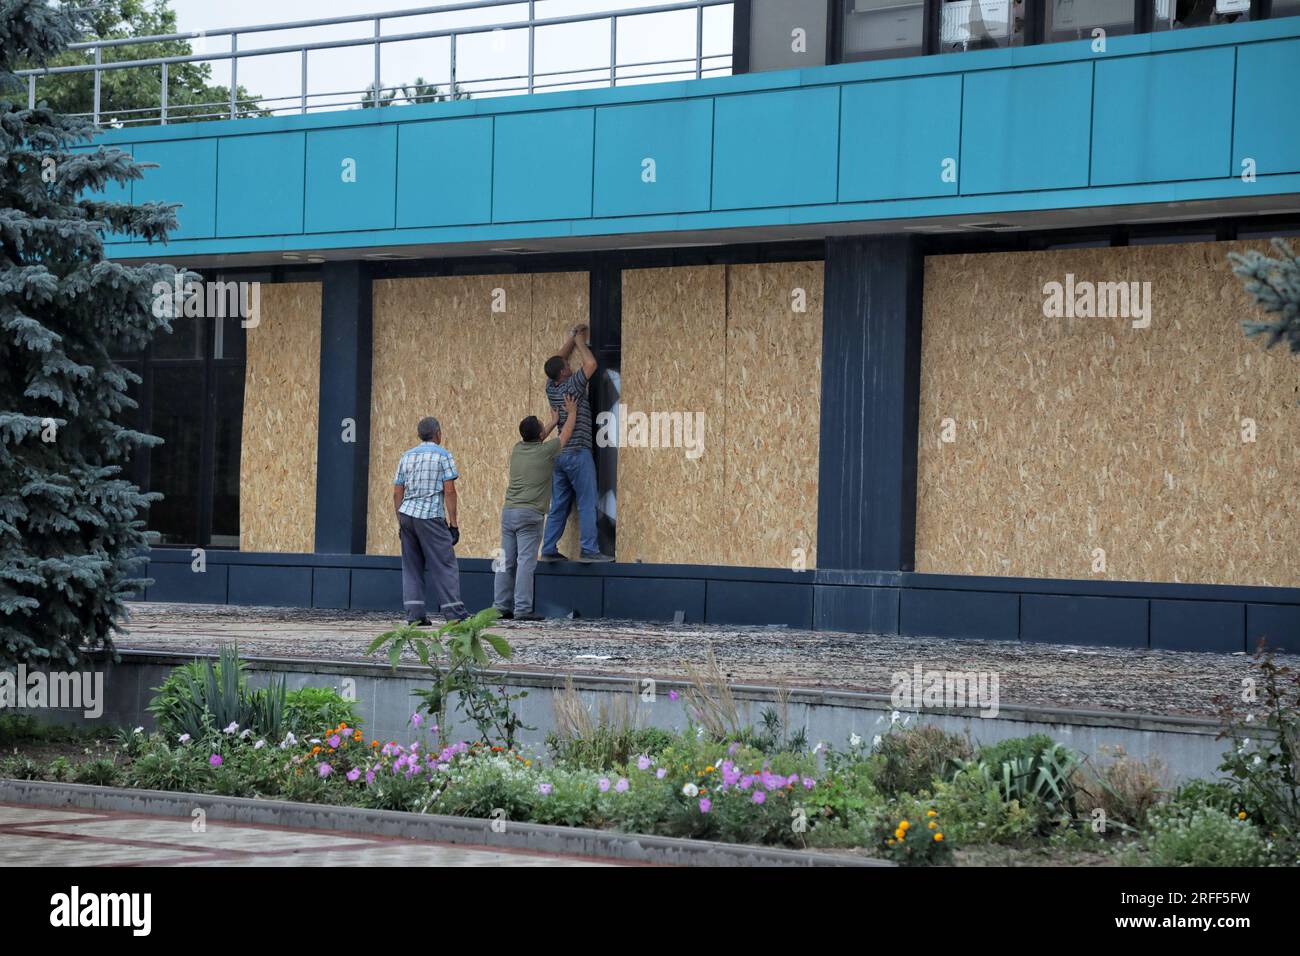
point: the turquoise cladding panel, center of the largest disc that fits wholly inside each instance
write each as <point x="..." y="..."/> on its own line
<point x="1267" y="128"/>
<point x="351" y="178"/>
<point x="899" y="139"/>
<point x="542" y="166"/>
<point x="186" y="174"/>
<point x="1026" y="128"/>
<point x="776" y="149"/>
<point x="1163" y="118"/>
<point x="260" y="184"/>
<point x="444" y="172"/>
<point x="653" y="157"/>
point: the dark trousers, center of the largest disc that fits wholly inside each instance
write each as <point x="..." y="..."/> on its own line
<point x="426" y="548"/>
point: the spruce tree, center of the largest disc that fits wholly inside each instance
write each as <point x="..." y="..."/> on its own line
<point x="72" y="533"/>
<point x="1275" y="286"/>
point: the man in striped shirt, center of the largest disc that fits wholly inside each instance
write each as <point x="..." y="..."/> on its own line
<point x="575" y="468"/>
<point x="424" y="495"/>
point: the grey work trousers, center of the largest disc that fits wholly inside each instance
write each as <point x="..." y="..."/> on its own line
<point x="426" y="549"/>
<point x="521" y="533"/>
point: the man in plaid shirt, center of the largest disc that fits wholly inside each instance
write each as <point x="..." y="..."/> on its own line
<point x="424" y="494"/>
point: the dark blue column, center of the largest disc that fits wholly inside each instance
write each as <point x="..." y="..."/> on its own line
<point x="871" y="369"/>
<point x="342" y="467"/>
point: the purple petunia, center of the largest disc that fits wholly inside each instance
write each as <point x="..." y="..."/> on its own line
<point x="759" y="796"/>
<point x="334" y="742"/>
<point x="621" y="786"/>
<point x="544" y="789"/>
<point x="325" y="770"/>
<point x="416" y="720"/>
<point x="672" y="695"/>
<point x="643" y="762"/>
<point x="603" y="784"/>
<point x="661" y="773"/>
<point x="215" y="760"/>
<point x="354" y="775"/>
<point x="705" y="804"/>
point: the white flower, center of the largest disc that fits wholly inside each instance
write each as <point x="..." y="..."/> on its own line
<point x="818" y="748"/>
<point x="138" y="730"/>
<point x="1257" y="761"/>
<point x="875" y="741"/>
<point x="895" y="717"/>
<point x="259" y="745"/>
<point x="444" y="767"/>
<point x="1249" y="718"/>
<point x="855" y="740"/>
<point x="232" y="728"/>
<point x="184" y="738"/>
<point x="690" y="790"/>
<point x="244" y="735"/>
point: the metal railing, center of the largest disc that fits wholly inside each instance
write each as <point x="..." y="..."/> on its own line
<point x="525" y="80"/>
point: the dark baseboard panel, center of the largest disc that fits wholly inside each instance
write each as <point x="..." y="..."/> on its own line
<point x="1196" y="617"/>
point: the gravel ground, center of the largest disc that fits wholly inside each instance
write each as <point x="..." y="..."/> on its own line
<point x="1149" y="682"/>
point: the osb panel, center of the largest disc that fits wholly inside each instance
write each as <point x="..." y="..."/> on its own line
<point x="1075" y="434"/>
<point x="773" y="402"/>
<point x="441" y="349"/>
<point x="277" y="462"/>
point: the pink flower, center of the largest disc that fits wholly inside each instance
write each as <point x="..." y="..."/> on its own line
<point x="603" y="784"/>
<point x="353" y="775"/>
<point x="334" y="742"/>
<point x="326" y="770"/>
<point x="214" y="760"/>
<point x="759" y="796"/>
<point x="705" y="804"/>
<point x="416" y="720"/>
<point x="643" y="762"/>
<point x="544" y="789"/>
<point x="661" y="773"/>
<point x="809" y="783"/>
<point x="672" y="695"/>
<point x="370" y="776"/>
<point x="621" y="786"/>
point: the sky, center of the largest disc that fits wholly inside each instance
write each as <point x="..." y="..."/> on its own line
<point x="338" y="77"/>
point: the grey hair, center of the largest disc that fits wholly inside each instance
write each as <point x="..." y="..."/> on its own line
<point x="427" y="428"/>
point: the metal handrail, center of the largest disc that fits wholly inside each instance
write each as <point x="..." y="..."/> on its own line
<point x="531" y="80"/>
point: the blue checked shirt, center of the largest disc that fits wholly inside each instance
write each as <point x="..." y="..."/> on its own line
<point x="422" y="471"/>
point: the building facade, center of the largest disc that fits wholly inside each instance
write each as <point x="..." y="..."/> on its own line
<point x="933" y="345"/>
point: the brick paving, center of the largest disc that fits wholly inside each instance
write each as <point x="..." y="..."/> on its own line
<point x="36" y="836"/>
<point x="1091" y="678"/>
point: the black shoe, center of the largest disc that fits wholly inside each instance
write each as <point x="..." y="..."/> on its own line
<point x="594" y="558"/>
<point x="529" y="617"/>
<point x="555" y="556"/>
<point x="504" y="615"/>
<point x="422" y="622"/>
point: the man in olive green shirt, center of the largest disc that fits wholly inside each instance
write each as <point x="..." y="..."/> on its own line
<point x="528" y="496"/>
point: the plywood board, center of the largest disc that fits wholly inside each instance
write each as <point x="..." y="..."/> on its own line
<point x="1080" y="436"/>
<point x="460" y="348"/>
<point x="277" y="465"/>
<point x="773" y="402"/>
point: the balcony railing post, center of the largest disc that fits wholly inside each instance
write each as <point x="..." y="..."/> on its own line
<point x="451" y="92"/>
<point x="613" y="51"/>
<point x="304" y="81"/>
<point x="31" y="92"/>
<point x="377" y="66"/>
<point x="234" y="75"/>
<point x="699" y="42"/>
<point x="163" y="113"/>
<point x="532" y="40"/>
<point x="98" y="61"/>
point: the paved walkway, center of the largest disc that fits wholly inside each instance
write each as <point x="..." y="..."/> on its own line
<point x="35" y="836"/>
<point x="1100" y="678"/>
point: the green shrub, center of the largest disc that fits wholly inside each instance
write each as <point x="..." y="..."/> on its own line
<point x="974" y="811"/>
<point x="1034" y="771"/>
<point x="911" y="832"/>
<point x="100" y="773"/>
<point x="310" y="710"/>
<point x="607" y="746"/>
<point x="909" y="760"/>
<point x="1216" y="794"/>
<point x="202" y="698"/>
<point x="161" y="766"/>
<point x="1121" y="791"/>
<point x="20" y="768"/>
<point x="1204" y="837"/>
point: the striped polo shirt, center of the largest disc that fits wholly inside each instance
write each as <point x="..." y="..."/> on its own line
<point x="575" y="385"/>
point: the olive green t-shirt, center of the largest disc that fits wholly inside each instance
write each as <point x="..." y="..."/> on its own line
<point x="531" y="466"/>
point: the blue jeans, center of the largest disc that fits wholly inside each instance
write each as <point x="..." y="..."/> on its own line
<point x="574" y="476"/>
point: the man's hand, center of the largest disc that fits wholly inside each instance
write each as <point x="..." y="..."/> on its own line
<point x="455" y="534"/>
<point x="570" y="406"/>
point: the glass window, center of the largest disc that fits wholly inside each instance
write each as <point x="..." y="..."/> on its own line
<point x="184" y="342"/>
<point x="879" y="29"/>
<point x="981" y="24"/>
<point x="1077" y="19"/>
<point x="177" y="401"/>
<point x="228" y="417"/>
<point x="1178" y="14"/>
<point x="1285" y="8"/>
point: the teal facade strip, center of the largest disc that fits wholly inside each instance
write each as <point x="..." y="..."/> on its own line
<point x="1157" y="118"/>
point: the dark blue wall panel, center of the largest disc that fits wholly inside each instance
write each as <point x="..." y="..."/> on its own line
<point x="752" y="602"/>
<point x="555" y="595"/>
<point x="1198" y="626"/>
<point x="971" y="614"/>
<point x="177" y="582"/>
<point x="270" y="585"/>
<point x="475" y="590"/>
<point x="375" y="589"/>
<point x="1092" y="621"/>
<point x="862" y="610"/>
<point x="331" y="587"/>
<point x="654" y="599"/>
<point x="870" y="392"/>
<point x="1277" y="624"/>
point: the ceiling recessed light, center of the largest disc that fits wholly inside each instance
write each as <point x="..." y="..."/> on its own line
<point x="290" y="255"/>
